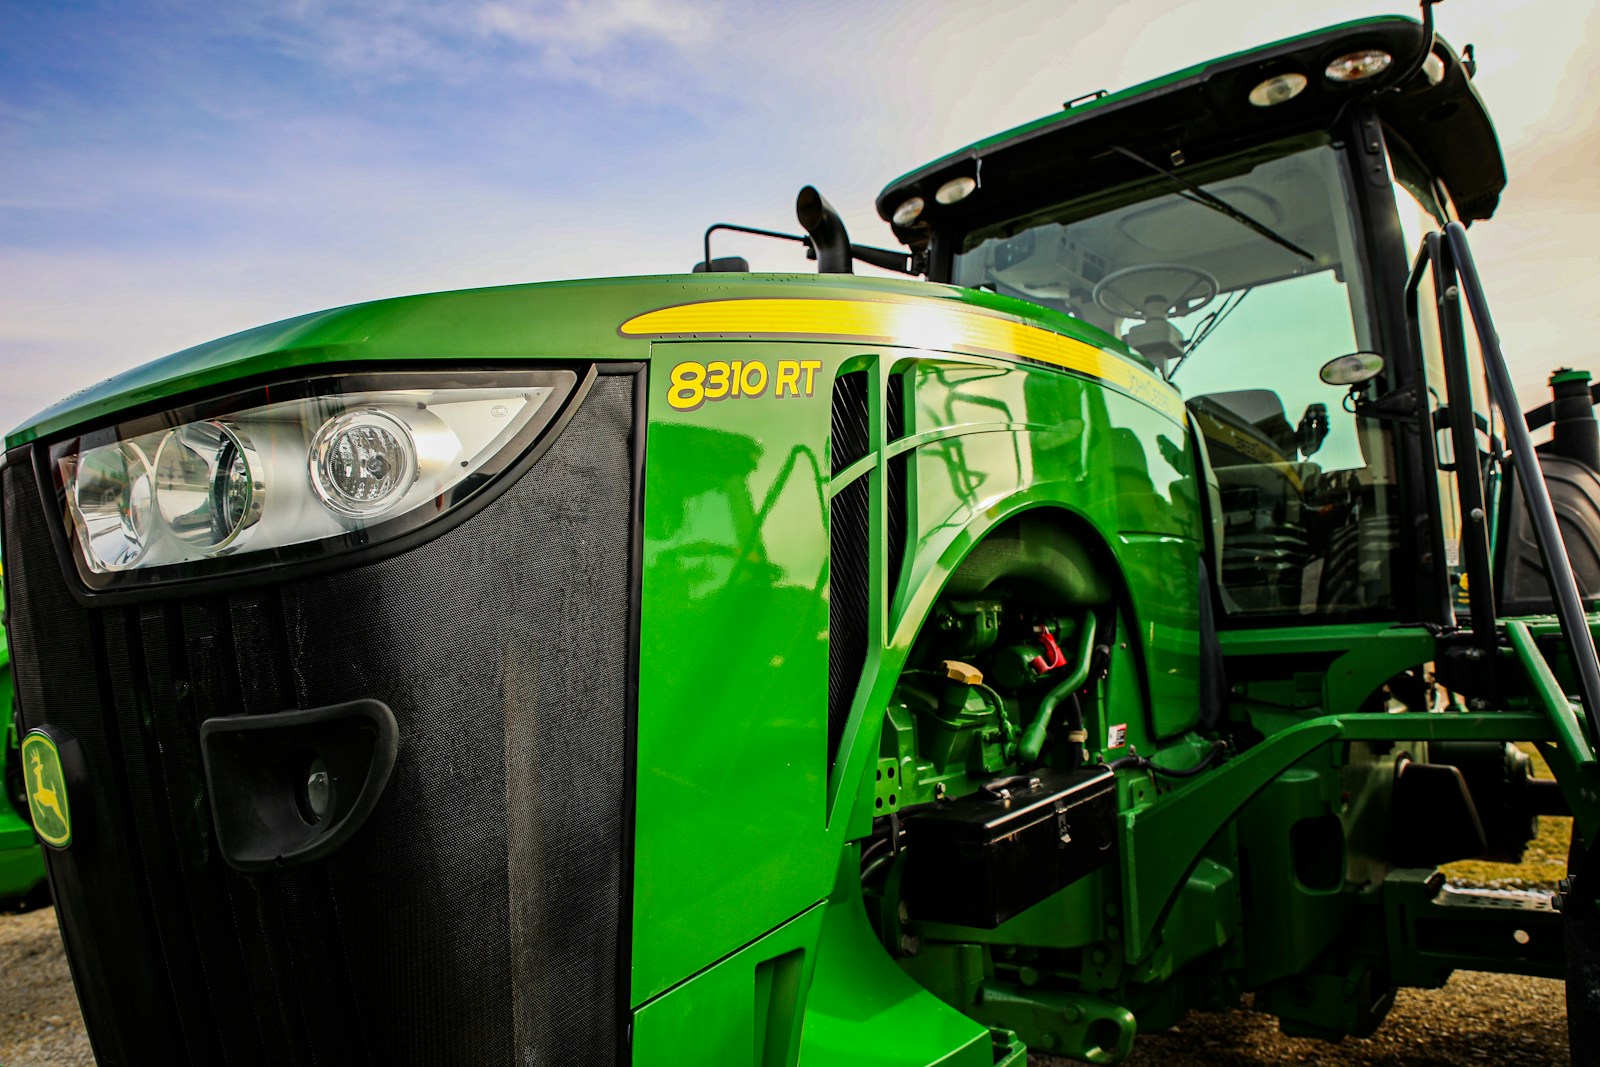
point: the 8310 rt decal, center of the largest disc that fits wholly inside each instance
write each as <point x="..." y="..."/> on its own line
<point x="694" y="383"/>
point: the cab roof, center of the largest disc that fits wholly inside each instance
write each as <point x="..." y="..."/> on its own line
<point x="1204" y="110"/>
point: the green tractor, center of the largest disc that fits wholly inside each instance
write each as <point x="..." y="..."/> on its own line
<point x="1127" y="611"/>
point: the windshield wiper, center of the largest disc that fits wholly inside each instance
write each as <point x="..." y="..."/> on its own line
<point x="1212" y="321"/>
<point x="1199" y="196"/>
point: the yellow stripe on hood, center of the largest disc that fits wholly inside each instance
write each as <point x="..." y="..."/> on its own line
<point x="937" y="327"/>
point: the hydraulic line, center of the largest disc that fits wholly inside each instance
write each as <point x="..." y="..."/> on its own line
<point x="1146" y="763"/>
<point x="1076" y="735"/>
<point x="1033" y="737"/>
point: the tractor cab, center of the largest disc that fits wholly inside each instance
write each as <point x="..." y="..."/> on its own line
<point x="1244" y="226"/>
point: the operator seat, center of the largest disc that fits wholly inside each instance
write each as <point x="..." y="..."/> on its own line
<point x="1263" y="484"/>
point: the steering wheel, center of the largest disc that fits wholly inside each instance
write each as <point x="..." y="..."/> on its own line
<point x="1165" y="290"/>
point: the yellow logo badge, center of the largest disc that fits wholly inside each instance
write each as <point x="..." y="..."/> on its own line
<point x="47" y="790"/>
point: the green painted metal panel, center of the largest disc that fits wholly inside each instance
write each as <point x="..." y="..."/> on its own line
<point x="1161" y="842"/>
<point x="864" y="1009"/>
<point x="731" y="834"/>
<point x="747" y="1009"/>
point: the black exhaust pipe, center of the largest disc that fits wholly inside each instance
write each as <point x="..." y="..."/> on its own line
<point x="1576" y="434"/>
<point x="827" y="232"/>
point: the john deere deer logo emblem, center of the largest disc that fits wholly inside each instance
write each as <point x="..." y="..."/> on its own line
<point x="47" y="790"/>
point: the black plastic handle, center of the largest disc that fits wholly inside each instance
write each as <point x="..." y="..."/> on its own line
<point x="258" y="769"/>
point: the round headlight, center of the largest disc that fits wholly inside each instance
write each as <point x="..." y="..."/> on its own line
<point x="909" y="211"/>
<point x="111" y="497"/>
<point x="1359" y="66"/>
<point x="362" y="463"/>
<point x="956" y="189"/>
<point x="1277" y="89"/>
<point x="206" y="484"/>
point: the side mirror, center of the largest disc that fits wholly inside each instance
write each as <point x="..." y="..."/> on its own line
<point x="1353" y="369"/>
<point x="723" y="265"/>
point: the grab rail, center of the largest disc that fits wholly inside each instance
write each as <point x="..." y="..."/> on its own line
<point x="1558" y="568"/>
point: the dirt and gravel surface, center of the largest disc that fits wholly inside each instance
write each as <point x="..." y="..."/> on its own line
<point x="1476" y="1018"/>
<point x="39" y="1019"/>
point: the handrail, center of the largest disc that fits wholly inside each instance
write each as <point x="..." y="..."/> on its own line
<point x="1567" y="727"/>
<point x="1464" y="441"/>
<point x="1558" y="568"/>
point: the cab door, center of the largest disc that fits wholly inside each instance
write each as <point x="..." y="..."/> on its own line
<point x="1462" y="423"/>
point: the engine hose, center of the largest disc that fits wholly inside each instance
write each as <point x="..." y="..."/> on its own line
<point x="872" y="849"/>
<point x="1075" y="733"/>
<point x="1007" y="727"/>
<point x="1189" y="772"/>
<point x="1033" y="737"/>
<point x="1145" y="763"/>
<point x="874" y="867"/>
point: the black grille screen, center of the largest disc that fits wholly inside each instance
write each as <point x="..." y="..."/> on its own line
<point x="475" y="919"/>
<point x="849" y="566"/>
<point x="852" y="436"/>
<point x="896" y="480"/>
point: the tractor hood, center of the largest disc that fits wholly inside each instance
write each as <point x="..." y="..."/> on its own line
<point x="567" y="320"/>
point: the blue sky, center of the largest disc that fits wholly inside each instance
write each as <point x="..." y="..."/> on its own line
<point x="174" y="171"/>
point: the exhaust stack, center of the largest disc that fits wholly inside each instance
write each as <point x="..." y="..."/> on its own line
<point x="827" y="232"/>
<point x="1576" y="434"/>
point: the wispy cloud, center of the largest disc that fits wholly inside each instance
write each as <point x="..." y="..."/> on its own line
<point x="594" y="43"/>
<point x="179" y="169"/>
<point x="590" y="27"/>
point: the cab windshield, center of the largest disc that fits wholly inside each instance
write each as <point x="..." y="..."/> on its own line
<point x="1238" y="281"/>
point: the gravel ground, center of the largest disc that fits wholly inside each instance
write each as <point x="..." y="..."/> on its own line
<point x="1476" y="1018"/>
<point x="39" y="1020"/>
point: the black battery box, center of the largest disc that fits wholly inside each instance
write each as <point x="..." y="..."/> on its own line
<point x="981" y="859"/>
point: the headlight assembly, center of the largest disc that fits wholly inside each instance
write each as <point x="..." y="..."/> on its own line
<point x="286" y="473"/>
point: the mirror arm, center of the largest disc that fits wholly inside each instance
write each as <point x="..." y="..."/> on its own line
<point x="1401" y="405"/>
<point x="811" y="252"/>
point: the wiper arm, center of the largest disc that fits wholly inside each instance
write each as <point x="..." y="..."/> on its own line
<point x="1199" y="196"/>
<point x="1215" y="319"/>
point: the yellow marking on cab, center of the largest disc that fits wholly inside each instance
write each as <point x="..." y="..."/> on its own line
<point x="936" y="327"/>
<point x="1217" y="430"/>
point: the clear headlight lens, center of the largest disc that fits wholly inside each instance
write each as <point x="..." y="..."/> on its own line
<point x="909" y="211"/>
<point x="1359" y="66"/>
<point x="1278" y="89"/>
<point x="112" y="500"/>
<point x="206" y="488"/>
<point x="956" y="189"/>
<point x="362" y="462"/>
<point x="341" y="462"/>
